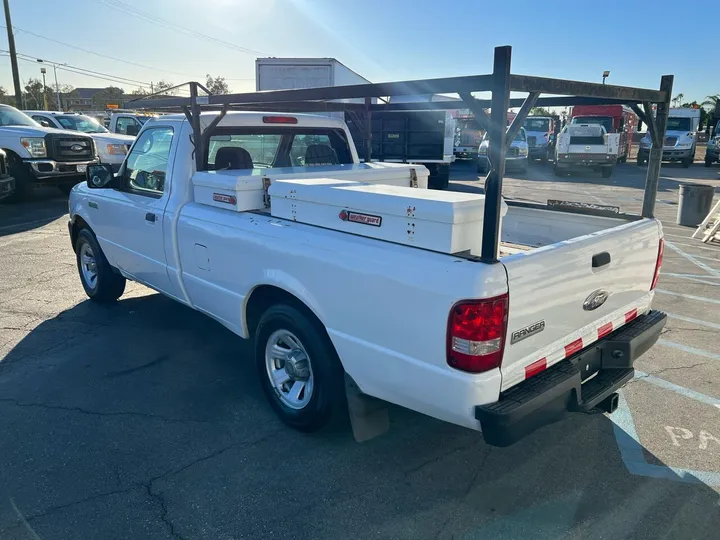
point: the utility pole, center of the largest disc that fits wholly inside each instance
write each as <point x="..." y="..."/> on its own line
<point x="13" y="56"/>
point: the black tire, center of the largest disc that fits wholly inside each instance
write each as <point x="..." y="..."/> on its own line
<point x="708" y="162"/>
<point x="109" y="285"/>
<point x="328" y="396"/>
<point x="544" y="158"/>
<point x="481" y="169"/>
<point x="623" y="159"/>
<point x="23" y="181"/>
<point x="557" y="171"/>
<point x="607" y="172"/>
<point x="686" y="162"/>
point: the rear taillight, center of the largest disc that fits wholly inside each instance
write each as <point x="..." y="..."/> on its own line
<point x="476" y="334"/>
<point x="658" y="264"/>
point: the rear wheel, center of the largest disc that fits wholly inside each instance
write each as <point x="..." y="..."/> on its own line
<point x="622" y="159"/>
<point x="99" y="280"/>
<point x="640" y="159"/>
<point x="708" y="162"/>
<point x="607" y="172"/>
<point x="299" y="369"/>
<point x="557" y="171"/>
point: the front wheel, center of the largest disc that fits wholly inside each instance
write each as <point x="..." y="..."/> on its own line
<point x="99" y="280"/>
<point x="23" y="181"/>
<point x="299" y="369"/>
<point x="686" y="162"/>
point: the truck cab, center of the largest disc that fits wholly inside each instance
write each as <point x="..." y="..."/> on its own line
<point x="680" y="137"/>
<point x="617" y="120"/>
<point x="40" y="155"/>
<point x="541" y="132"/>
<point x="128" y="123"/>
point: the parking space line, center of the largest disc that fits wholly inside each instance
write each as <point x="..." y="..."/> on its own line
<point x="694" y="321"/>
<point x="631" y="452"/>
<point x="693" y="260"/>
<point x="662" y="383"/>
<point x="708" y="248"/>
<point x="672" y="274"/>
<point x="704" y="281"/>
<point x="688" y="296"/>
<point x="691" y="350"/>
<point x="676" y="235"/>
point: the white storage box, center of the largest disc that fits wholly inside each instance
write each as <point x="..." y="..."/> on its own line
<point x="444" y="221"/>
<point x="239" y="190"/>
<point x="391" y="174"/>
<point x="243" y="190"/>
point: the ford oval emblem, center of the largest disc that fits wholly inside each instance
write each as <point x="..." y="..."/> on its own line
<point x="595" y="300"/>
<point x="76" y="148"/>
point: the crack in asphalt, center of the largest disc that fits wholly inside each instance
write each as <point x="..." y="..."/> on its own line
<point x="467" y="491"/>
<point x="136" y="414"/>
<point x="159" y="360"/>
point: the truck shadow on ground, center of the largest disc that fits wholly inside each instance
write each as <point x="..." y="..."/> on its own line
<point x="149" y="401"/>
<point x="25" y="216"/>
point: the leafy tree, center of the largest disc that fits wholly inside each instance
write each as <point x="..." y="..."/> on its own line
<point x="111" y="94"/>
<point x="216" y="85"/>
<point x="33" y="95"/>
<point x="163" y="87"/>
<point x="540" y="111"/>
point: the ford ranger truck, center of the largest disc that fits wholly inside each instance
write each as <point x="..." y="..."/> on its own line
<point x="285" y="239"/>
<point x="42" y="156"/>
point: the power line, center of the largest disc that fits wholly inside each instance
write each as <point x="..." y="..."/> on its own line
<point x="97" y="53"/>
<point x="127" y="80"/>
<point x="82" y="71"/>
<point x="146" y="15"/>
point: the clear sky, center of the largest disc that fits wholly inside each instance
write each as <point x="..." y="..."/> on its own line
<point x="380" y="39"/>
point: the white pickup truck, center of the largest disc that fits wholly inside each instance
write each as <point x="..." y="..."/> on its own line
<point x="586" y="146"/>
<point x="334" y="273"/>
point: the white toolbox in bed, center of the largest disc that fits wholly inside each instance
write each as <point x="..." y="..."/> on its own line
<point x="444" y="221"/>
<point x="243" y="190"/>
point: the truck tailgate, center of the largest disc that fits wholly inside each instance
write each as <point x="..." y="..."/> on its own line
<point x="556" y="294"/>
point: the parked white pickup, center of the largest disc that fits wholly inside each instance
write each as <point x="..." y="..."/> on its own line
<point x="335" y="267"/>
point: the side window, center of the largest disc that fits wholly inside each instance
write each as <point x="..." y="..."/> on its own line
<point x="127" y="121"/>
<point x="147" y="162"/>
<point x="41" y="119"/>
<point x="621" y="125"/>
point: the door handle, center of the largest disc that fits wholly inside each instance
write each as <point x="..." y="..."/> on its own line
<point x="600" y="259"/>
<point x="150" y="217"/>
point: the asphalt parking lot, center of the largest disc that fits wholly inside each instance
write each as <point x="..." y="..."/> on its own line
<point x="144" y="419"/>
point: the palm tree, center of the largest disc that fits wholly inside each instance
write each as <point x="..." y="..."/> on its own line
<point x="677" y="100"/>
<point x="711" y="101"/>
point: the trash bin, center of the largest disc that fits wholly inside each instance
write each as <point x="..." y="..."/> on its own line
<point x="694" y="203"/>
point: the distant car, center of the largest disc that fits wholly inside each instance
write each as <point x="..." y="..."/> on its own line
<point x="516" y="156"/>
<point x="111" y="147"/>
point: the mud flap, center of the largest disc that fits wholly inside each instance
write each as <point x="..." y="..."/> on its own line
<point x="368" y="415"/>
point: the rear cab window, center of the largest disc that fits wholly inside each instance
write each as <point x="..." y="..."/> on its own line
<point x="276" y="146"/>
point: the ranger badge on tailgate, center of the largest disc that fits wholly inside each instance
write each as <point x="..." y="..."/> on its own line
<point x="534" y="328"/>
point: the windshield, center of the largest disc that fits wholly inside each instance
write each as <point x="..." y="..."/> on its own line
<point x="604" y="121"/>
<point x="10" y="116"/>
<point x="519" y="137"/>
<point x="81" y="123"/>
<point x="537" y="124"/>
<point x="679" y="124"/>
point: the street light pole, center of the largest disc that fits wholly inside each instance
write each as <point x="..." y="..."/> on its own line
<point x="606" y="74"/>
<point x="45" y="103"/>
<point x="57" y="86"/>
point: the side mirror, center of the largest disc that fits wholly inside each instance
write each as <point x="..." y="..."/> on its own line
<point x="99" y="176"/>
<point x="45" y="123"/>
<point x="132" y="130"/>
